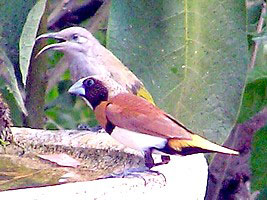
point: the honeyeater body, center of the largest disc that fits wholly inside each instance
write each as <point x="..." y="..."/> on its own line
<point x="138" y="124"/>
<point x="86" y="57"/>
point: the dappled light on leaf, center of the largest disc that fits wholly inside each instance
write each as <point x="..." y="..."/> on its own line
<point x="193" y="62"/>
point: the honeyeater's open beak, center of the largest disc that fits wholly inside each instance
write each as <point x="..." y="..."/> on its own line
<point x="77" y="88"/>
<point x="62" y="42"/>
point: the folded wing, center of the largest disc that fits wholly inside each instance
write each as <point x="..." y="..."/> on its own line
<point x="136" y="114"/>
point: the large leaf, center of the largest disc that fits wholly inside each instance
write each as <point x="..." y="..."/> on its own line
<point x="11" y="80"/>
<point x="28" y="36"/>
<point x="13" y="15"/>
<point x="36" y="78"/>
<point x="191" y="55"/>
<point x="12" y="18"/>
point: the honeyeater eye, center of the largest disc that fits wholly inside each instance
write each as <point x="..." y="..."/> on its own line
<point x="79" y="39"/>
<point x="89" y="82"/>
<point x="75" y="37"/>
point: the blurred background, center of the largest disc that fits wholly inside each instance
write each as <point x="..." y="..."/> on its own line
<point x="168" y="45"/>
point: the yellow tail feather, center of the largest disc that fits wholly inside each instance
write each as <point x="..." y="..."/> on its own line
<point x="142" y="92"/>
<point x="200" y="143"/>
<point x="196" y="142"/>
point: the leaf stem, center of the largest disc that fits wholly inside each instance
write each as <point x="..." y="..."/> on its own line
<point x="259" y="30"/>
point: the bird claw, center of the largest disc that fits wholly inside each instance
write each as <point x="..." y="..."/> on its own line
<point x="134" y="172"/>
<point x="157" y="173"/>
<point x="126" y="174"/>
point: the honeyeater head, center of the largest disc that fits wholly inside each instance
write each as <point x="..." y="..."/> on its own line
<point x="97" y="88"/>
<point x="85" y="56"/>
<point x="71" y="40"/>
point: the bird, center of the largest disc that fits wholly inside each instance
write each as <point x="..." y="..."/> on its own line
<point x="138" y="124"/>
<point x="86" y="57"/>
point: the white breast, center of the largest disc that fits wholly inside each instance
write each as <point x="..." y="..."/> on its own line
<point x="136" y="140"/>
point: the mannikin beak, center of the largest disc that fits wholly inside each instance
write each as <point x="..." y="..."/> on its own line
<point x="57" y="46"/>
<point x="77" y="88"/>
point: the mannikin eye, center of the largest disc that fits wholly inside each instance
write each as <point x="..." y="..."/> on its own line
<point x="89" y="82"/>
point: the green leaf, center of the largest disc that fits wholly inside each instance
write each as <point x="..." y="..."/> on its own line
<point x="62" y="110"/>
<point x="257" y="73"/>
<point x="253" y="13"/>
<point x="260" y="69"/>
<point x="254" y="99"/>
<point x="12" y="18"/>
<point x="11" y="81"/>
<point x="28" y="36"/>
<point x="13" y="15"/>
<point x="15" y="111"/>
<point x="65" y="116"/>
<point x="258" y="160"/>
<point x="255" y="94"/>
<point x="191" y="56"/>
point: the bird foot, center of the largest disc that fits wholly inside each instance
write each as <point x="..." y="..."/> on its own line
<point x="86" y="127"/>
<point x="157" y="173"/>
<point x="135" y="173"/>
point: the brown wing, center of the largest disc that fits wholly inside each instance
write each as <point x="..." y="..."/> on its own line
<point x="136" y="114"/>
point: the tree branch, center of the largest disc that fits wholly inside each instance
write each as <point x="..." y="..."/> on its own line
<point x="36" y="83"/>
<point x="100" y="16"/>
<point x="259" y="30"/>
<point x="72" y="12"/>
<point x="228" y="175"/>
<point x="185" y="176"/>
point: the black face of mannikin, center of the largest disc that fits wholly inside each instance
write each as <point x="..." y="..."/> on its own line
<point x="95" y="91"/>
